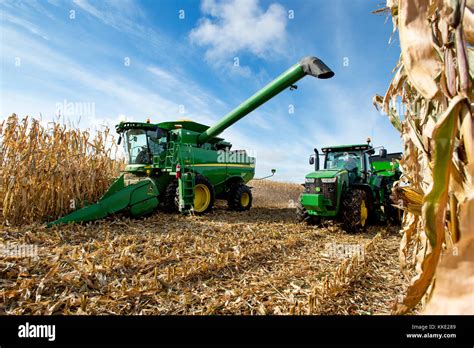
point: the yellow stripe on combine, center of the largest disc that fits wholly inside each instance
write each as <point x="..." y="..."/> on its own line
<point x="223" y="165"/>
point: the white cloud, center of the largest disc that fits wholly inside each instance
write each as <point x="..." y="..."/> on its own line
<point x="189" y="94"/>
<point x="23" y="23"/>
<point x="240" y="26"/>
<point x="86" y="6"/>
<point x="112" y="94"/>
<point x="121" y="15"/>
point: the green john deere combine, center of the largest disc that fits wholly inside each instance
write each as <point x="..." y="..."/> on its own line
<point x="183" y="165"/>
<point x="353" y="187"/>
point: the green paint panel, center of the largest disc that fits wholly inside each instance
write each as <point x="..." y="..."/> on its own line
<point x="140" y="198"/>
<point x="325" y="173"/>
<point x="313" y="201"/>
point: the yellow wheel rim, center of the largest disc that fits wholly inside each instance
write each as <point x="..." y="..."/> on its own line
<point x="202" y="197"/>
<point x="245" y="199"/>
<point x="363" y="213"/>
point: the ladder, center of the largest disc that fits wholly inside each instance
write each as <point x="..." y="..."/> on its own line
<point x="170" y="159"/>
<point x="187" y="182"/>
<point x="187" y="189"/>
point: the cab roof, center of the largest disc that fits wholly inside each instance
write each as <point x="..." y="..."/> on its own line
<point x="346" y="147"/>
<point x="168" y="125"/>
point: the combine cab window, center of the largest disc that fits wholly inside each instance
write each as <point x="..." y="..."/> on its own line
<point x="141" y="145"/>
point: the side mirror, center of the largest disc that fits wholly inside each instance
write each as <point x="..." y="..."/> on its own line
<point x="274" y="171"/>
<point x="311" y="160"/>
<point x="383" y="153"/>
<point x="119" y="140"/>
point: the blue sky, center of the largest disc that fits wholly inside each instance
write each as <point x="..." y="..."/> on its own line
<point x="168" y="60"/>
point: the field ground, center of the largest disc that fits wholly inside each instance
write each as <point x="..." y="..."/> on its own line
<point x="257" y="262"/>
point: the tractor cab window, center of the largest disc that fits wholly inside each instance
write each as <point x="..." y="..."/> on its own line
<point x="141" y="145"/>
<point x="343" y="160"/>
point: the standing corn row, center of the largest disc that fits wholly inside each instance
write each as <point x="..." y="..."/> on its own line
<point x="434" y="82"/>
<point x="47" y="172"/>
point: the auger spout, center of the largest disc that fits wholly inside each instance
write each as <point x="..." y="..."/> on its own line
<point x="307" y="66"/>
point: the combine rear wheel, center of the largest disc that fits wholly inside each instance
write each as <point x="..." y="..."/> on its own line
<point x="203" y="195"/>
<point x="354" y="211"/>
<point x="240" y="198"/>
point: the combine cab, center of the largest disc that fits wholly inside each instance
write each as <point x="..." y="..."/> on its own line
<point x="183" y="165"/>
<point x="353" y="187"/>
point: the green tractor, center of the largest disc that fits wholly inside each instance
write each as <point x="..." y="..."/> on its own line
<point x="353" y="187"/>
<point x="183" y="165"/>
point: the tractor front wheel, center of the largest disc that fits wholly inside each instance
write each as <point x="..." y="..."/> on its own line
<point x="240" y="198"/>
<point x="354" y="211"/>
<point x="302" y="215"/>
<point x="203" y="195"/>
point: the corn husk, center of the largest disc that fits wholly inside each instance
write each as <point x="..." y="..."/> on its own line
<point x="433" y="80"/>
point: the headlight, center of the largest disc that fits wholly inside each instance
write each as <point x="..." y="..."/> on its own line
<point x="328" y="180"/>
<point x="309" y="180"/>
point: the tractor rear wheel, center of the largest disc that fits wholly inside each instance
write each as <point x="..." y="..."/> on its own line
<point x="354" y="211"/>
<point x="240" y="198"/>
<point x="302" y="215"/>
<point x="203" y="195"/>
<point x="171" y="199"/>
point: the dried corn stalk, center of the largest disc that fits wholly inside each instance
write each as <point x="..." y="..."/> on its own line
<point x="47" y="172"/>
<point x="433" y="80"/>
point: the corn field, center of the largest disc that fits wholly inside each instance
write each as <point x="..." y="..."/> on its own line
<point x="47" y="172"/>
<point x="262" y="262"/>
<point x="434" y="81"/>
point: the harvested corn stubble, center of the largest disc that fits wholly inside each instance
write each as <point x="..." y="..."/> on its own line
<point x="261" y="262"/>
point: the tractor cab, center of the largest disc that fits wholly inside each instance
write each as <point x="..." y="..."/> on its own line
<point x="352" y="158"/>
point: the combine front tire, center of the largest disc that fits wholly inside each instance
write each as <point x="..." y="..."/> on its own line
<point x="240" y="198"/>
<point x="203" y="195"/>
<point x="171" y="199"/>
<point x="354" y="211"/>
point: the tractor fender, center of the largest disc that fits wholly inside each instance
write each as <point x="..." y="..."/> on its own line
<point x="342" y="181"/>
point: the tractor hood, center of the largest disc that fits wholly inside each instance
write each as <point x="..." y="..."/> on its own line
<point x="325" y="173"/>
